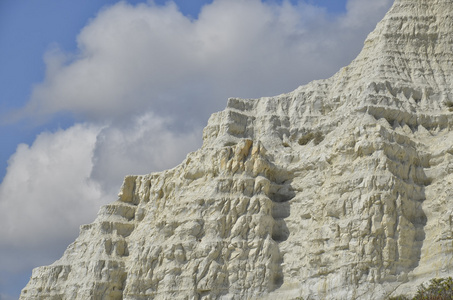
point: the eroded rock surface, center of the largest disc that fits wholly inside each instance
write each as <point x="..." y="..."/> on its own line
<point x="341" y="189"/>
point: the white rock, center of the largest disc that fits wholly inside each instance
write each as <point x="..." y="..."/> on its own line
<point x="339" y="190"/>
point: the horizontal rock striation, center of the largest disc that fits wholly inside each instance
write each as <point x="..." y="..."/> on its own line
<point x="341" y="189"/>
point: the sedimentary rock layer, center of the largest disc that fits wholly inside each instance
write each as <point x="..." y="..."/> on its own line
<point x="341" y="189"/>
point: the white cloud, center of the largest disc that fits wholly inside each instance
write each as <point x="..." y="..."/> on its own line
<point x="148" y="57"/>
<point x="61" y="180"/>
<point x="47" y="194"/>
<point x="144" y="144"/>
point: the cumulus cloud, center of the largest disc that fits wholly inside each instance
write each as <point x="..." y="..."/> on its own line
<point x="152" y="77"/>
<point x="149" y="57"/>
<point x="142" y="145"/>
<point x="46" y="193"/>
<point x="61" y="180"/>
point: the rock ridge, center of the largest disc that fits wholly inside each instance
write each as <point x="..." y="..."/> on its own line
<point x="340" y="189"/>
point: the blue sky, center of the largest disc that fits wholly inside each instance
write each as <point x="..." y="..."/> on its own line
<point x="87" y="83"/>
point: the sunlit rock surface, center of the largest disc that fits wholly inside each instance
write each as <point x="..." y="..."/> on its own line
<point x="341" y="189"/>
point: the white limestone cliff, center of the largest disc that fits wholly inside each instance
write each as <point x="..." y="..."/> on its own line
<point x="341" y="189"/>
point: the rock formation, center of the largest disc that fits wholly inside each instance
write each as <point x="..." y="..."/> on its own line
<point x="341" y="189"/>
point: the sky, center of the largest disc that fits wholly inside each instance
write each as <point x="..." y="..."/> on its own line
<point x="91" y="91"/>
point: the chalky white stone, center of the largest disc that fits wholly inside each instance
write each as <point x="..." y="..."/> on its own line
<point x="341" y="189"/>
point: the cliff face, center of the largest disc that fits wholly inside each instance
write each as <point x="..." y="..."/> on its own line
<point x="341" y="189"/>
